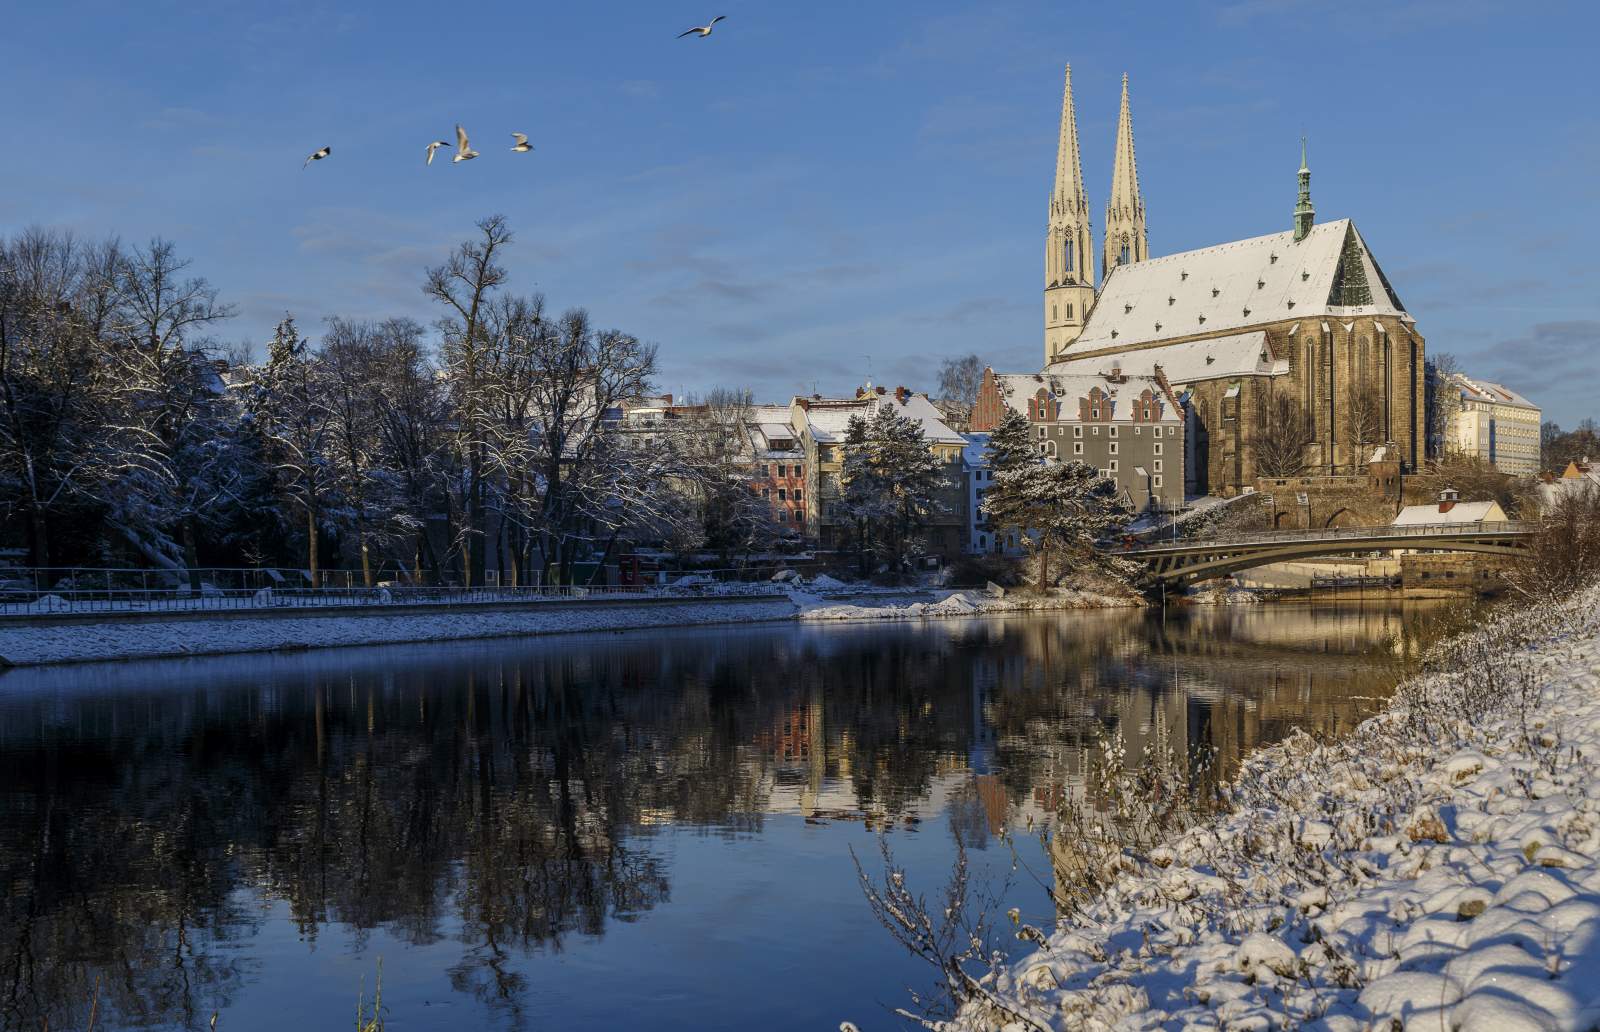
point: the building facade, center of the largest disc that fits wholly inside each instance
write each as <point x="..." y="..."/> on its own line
<point x="1307" y="312"/>
<point x="778" y="467"/>
<point x="821" y="424"/>
<point x="1130" y="428"/>
<point x="1495" y="424"/>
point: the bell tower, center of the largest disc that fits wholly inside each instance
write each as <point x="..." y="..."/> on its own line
<point x="1068" y="258"/>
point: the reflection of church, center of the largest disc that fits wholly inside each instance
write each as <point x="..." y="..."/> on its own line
<point x="1306" y="312"/>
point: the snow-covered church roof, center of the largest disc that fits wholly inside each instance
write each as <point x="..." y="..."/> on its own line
<point x="1239" y="285"/>
<point x="1214" y="358"/>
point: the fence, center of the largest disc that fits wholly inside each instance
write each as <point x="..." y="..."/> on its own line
<point x="1510" y="528"/>
<point x="35" y="592"/>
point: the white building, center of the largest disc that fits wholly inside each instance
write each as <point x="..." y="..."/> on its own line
<point x="1495" y="424"/>
<point x="978" y="478"/>
<point x="1449" y="509"/>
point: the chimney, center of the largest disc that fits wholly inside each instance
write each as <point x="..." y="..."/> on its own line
<point x="881" y="392"/>
<point x="900" y="394"/>
<point x="1447" y="499"/>
<point x="859" y="392"/>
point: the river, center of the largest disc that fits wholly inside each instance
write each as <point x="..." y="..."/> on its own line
<point x="648" y="830"/>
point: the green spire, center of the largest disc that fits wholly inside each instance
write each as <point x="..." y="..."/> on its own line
<point x="1304" y="213"/>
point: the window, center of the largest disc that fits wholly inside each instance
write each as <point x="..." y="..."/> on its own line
<point x="1113" y="465"/>
<point x="1077" y="447"/>
<point x="1077" y="431"/>
<point x="799" y="471"/>
<point x="799" y="517"/>
<point x="1157" y="447"/>
<point x="1069" y="310"/>
<point x="1095" y="430"/>
<point x="796" y="494"/>
<point x="1136" y="431"/>
<point x="1113" y="431"/>
<point x="1052" y="313"/>
<point x="783" y="515"/>
<point x="1067" y="259"/>
<point x="1113" y="447"/>
<point x="766" y="493"/>
<point x="782" y="495"/>
<point x="1157" y="431"/>
<point x="1158" y="465"/>
<point x="1041" y="448"/>
<point x="1157" y="480"/>
<point x="1094" y="413"/>
<point x="766" y="470"/>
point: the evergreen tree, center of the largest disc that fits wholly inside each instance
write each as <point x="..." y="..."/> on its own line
<point x="891" y="482"/>
<point x="1011" y="443"/>
<point x="1066" y="507"/>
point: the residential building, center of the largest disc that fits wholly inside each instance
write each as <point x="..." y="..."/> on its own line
<point x="1130" y="428"/>
<point x="821" y="424"/>
<point x="1495" y="424"/>
<point x="779" y="466"/>
<point x="982" y="537"/>
<point x="1450" y="509"/>
<point x="1308" y="311"/>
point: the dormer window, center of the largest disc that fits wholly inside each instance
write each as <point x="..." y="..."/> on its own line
<point x="1272" y="259"/>
<point x="1291" y="302"/>
<point x="1260" y="284"/>
<point x="1202" y="320"/>
<point x="1158" y="327"/>
<point x="1113" y="334"/>
<point x="1215" y="291"/>
<point x="1247" y="313"/>
<point x="1126" y="309"/>
<point x="1183" y="275"/>
<point x="1304" y="276"/>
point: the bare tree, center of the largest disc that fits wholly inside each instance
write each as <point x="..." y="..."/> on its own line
<point x="464" y="285"/>
<point x="412" y="416"/>
<point x="1441" y="401"/>
<point x="1282" y="435"/>
<point x="1363" y="423"/>
<point x="53" y="441"/>
<point x="959" y="379"/>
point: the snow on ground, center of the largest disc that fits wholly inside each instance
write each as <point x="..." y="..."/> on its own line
<point x="1438" y="868"/>
<point x="46" y="642"/>
<point x="27" y="642"/>
<point x="965" y="603"/>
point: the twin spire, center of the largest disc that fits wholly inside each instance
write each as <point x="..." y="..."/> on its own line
<point x="1125" y="240"/>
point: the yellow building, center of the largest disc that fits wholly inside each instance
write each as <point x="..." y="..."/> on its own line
<point x="1497" y="425"/>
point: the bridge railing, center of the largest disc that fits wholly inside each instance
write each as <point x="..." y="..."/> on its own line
<point x="1508" y="528"/>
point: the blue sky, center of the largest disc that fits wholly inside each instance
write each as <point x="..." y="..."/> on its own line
<point x="824" y="187"/>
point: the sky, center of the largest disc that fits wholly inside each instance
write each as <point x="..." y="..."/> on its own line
<point x="820" y="192"/>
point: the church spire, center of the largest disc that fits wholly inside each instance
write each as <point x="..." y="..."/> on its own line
<point x="1069" y="258"/>
<point x="1304" y="213"/>
<point x="1125" y="231"/>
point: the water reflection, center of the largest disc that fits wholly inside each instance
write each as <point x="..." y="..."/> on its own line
<point x="184" y="833"/>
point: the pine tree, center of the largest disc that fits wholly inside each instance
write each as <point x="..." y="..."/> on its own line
<point x="1066" y="506"/>
<point x="891" y="482"/>
<point x="1010" y="443"/>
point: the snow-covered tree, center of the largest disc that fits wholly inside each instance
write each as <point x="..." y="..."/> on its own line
<point x="891" y="482"/>
<point x="1067" y="506"/>
<point x="289" y="400"/>
<point x="1010" y="442"/>
<point x="56" y="445"/>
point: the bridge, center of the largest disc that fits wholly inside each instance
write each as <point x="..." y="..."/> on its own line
<point x="1180" y="561"/>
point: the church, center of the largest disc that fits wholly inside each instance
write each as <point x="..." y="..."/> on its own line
<point x="1291" y="354"/>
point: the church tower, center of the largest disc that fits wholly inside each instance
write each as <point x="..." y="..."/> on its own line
<point x="1304" y="213"/>
<point x="1068" y="258"/>
<point x="1125" y="235"/>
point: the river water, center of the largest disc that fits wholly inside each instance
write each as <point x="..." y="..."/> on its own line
<point x="646" y="830"/>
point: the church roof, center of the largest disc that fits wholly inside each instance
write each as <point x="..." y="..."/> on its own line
<point x="1239" y="285"/>
<point x="1213" y="358"/>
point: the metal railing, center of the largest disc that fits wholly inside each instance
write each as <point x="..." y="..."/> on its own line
<point x="1509" y="528"/>
<point x="26" y="602"/>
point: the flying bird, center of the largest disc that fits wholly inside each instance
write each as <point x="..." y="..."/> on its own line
<point x="522" y="146"/>
<point x="435" y="145"/>
<point x="464" y="151"/>
<point x="702" y="30"/>
<point x="317" y="156"/>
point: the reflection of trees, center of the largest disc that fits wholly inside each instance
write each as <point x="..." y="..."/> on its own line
<point x="503" y="797"/>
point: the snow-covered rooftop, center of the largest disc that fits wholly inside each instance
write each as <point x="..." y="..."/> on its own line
<point x="1234" y="286"/>
<point x="1214" y="358"/>
<point x="1474" y="389"/>
<point x="1459" y="512"/>
<point x="829" y="418"/>
<point x="1069" y="385"/>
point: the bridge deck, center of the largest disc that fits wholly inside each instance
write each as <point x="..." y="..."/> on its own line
<point x="1180" y="560"/>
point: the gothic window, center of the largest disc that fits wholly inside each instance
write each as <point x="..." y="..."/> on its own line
<point x="1053" y="313"/>
<point x="1067" y="257"/>
<point x="1122" y="258"/>
<point x="1069" y="310"/>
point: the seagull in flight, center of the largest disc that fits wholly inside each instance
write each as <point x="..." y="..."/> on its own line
<point x="464" y="151"/>
<point x="702" y="31"/>
<point x="317" y="155"/>
<point x="435" y="145"/>
<point x="522" y="145"/>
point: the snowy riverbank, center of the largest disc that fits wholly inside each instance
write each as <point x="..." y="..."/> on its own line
<point x="1438" y="868"/>
<point x="84" y="638"/>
